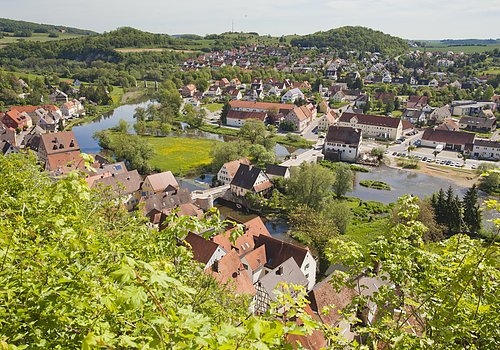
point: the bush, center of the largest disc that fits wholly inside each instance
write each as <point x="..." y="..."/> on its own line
<point x="287" y="125"/>
<point x="377" y="185"/>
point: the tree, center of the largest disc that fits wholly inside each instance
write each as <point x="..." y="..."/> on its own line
<point x="226" y="152"/>
<point x="367" y="107"/>
<point x="224" y="112"/>
<point x="378" y="152"/>
<point x="339" y="213"/>
<point x="252" y="130"/>
<point x="446" y="297"/>
<point x="472" y="214"/>
<point x="80" y="266"/>
<point x="122" y="126"/>
<point x="140" y="127"/>
<point x="343" y="179"/>
<point x="314" y="229"/>
<point x="260" y="156"/>
<point x="310" y="184"/>
<point x="490" y="181"/>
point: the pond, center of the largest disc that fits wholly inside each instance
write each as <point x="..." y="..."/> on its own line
<point x="402" y="182"/>
<point x="84" y="133"/>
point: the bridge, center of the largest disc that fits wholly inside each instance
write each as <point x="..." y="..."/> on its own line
<point x="205" y="198"/>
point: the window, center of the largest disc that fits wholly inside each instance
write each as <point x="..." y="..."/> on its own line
<point x="306" y="267"/>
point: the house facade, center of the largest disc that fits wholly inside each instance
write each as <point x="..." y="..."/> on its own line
<point x="451" y="140"/>
<point x="486" y="149"/>
<point x="300" y="117"/>
<point x="249" y="179"/>
<point x="373" y="125"/>
<point x="238" y="118"/>
<point x="342" y="143"/>
<point x="229" y="169"/>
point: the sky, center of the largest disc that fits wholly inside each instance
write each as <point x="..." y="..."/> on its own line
<point x="409" y="19"/>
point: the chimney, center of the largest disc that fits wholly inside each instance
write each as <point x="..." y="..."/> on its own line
<point x="279" y="272"/>
<point x="215" y="266"/>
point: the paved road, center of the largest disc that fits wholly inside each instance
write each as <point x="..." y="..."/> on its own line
<point x="309" y="156"/>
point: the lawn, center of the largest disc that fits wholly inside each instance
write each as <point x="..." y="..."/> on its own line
<point x="214" y="107"/>
<point x="37" y="37"/>
<point x="181" y="155"/>
<point x="465" y="49"/>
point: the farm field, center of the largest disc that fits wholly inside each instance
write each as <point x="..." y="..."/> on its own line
<point x="36" y="37"/>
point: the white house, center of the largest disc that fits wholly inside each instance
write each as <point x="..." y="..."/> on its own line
<point x="204" y="251"/>
<point x="327" y="120"/>
<point x="486" y="149"/>
<point x="229" y="169"/>
<point x="71" y="108"/>
<point x="300" y="117"/>
<point x="292" y="95"/>
<point x="249" y="178"/>
<point x="342" y="143"/>
<point x="238" y="118"/>
<point x="373" y="125"/>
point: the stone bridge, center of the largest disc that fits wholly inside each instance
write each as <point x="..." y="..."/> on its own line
<point x="205" y="198"/>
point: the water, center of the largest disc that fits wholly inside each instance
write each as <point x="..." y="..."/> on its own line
<point x="84" y="133"/>
<point x="402" y="182"/>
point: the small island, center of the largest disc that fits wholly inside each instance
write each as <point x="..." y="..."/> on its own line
<point x="378" y="185"/>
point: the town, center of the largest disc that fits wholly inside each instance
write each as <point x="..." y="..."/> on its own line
<point x="338" y="114"/>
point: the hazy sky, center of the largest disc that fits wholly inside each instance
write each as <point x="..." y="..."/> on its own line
<point x="421" y="19"/>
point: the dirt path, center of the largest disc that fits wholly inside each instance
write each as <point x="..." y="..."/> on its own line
<point x="461" y="177"/>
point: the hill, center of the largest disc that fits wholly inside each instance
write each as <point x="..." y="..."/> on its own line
<point x="353" y="38"/>
<point x="12" y="26"/>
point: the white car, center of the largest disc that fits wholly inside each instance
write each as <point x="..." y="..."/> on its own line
<point x="474" y="166"/>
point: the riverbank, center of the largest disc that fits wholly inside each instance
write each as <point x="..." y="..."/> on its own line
<point x="120" y="97"/>
<point x="460" y="177"/>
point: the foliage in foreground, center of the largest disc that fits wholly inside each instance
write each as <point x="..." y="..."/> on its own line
<point x="76" y="270"/>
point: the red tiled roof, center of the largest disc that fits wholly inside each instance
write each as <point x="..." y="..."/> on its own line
<point x="369" y="119"/>
<point x="231" y="273"/>
<point x="448" y="137"/>
<point x="278" y="251"/>
<point x="232" y="114"/>
<point x="59" y="142"/>
<point x="65" y="162"/>
<point x="27" y="109"/>
<point x="202" y="249"/>
<point x="232" y="167"/>
<point x="261" y="105"/>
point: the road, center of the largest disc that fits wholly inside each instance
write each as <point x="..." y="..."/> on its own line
<point x="309" y="156"/>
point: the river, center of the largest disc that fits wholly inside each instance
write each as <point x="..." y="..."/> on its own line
<point x="401" y="181"/>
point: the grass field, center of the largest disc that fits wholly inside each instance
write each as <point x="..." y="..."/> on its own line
<point x="181" y="155"/>
<point x="37" y="37"/>
<point x="214" y="107"/>
<point x="465" y="49"/>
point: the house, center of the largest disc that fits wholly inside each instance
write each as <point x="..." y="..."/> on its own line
<point x="449" y="124"/>
<point x="274" y="170"/>
<point x="9" y="135"/>
<point x="452" y="140"/>
<point x="213" y="91"/>
<point x="16" y="120"/>
<point x="339" y="96"/>
<point x="292" y="95"/>
<point x="250" y="106"/>
<point x="342" y="143"/>
<point x="124" y="185"/>
<point x="471" y="108"/>
<point x="249" y="178"/>
<point x="486" y="149"/>
<point x="188" y="90"/>
<point x="235" y="82"/>
<point x="414" y="116"/>
<point x="238" y="118"/>
<point x="230" y="272"/>
<point x="373" y="125"/>
<point x="204" y="251"/>
<point x="417" y="101"/>
<point x="58" y="97"/>
<point x="326" y="295"/>
<point x="300" y="117"/>
<point x="480" y="124"/>
<point x="361" y="100"/>
<point x="159" y="183"/>
<point x="235" y="94"/>
<point x="72" y="108"/>
<point x="327" y="120"/>
<point x="7" y="148"/>
<point x="438" y="115"/>
<point x="223" y="82"/>
<point x="244" y="244"/>
<point x="288" y="272"/>
<point x="58" y="143"/>
<point x="229" y="169"/>
<point x="277" y="252"/>
<point x="323" y="106"/>
<point x="157" y="206"/>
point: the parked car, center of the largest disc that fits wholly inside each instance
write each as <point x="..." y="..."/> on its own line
<point x="474" y="166"/>
<point x="448" y="162"/>
<point x="394" y="154"/>
<point x="424" y="159"/>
